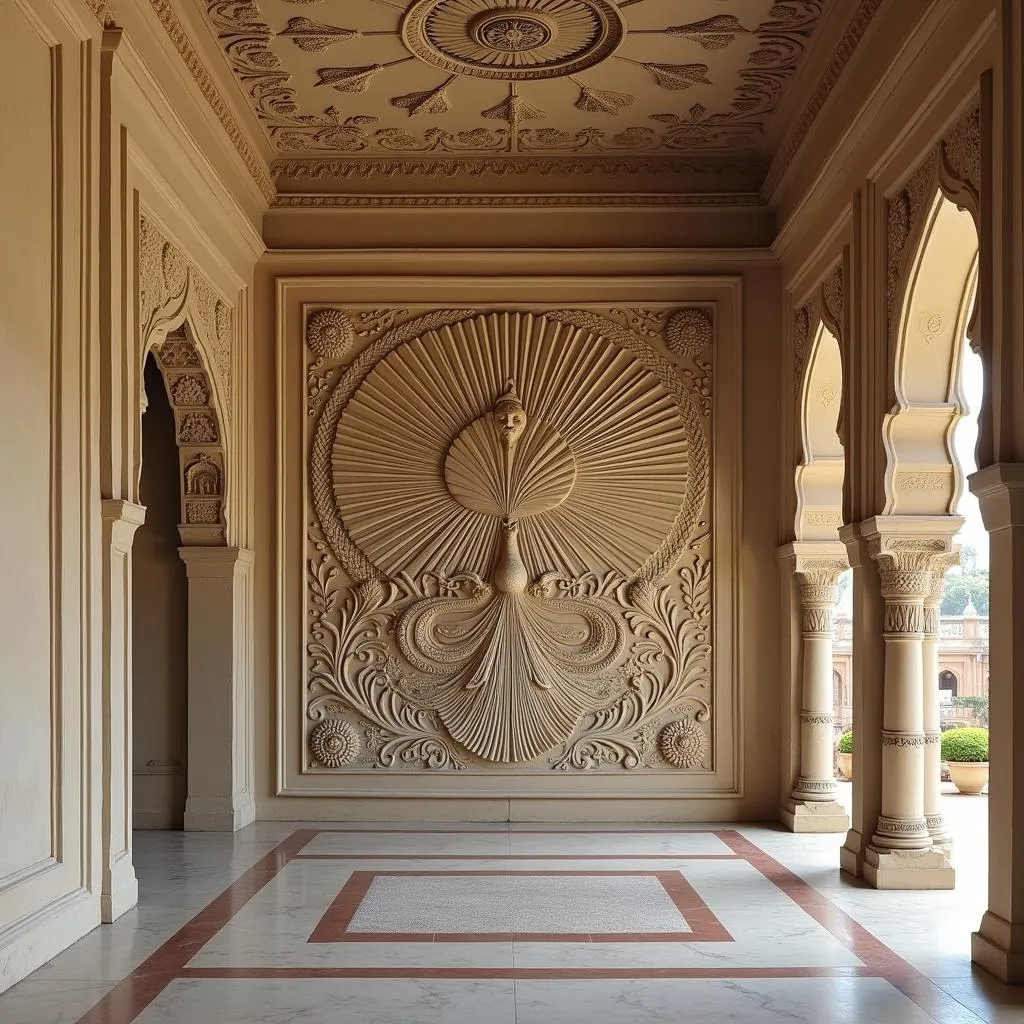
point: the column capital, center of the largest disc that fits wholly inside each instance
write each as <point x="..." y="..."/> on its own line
<point x="121" y="519"/>
<point x="999" y="489"/>
<point x="214" y="562"/>
<point x="940" y="566"/>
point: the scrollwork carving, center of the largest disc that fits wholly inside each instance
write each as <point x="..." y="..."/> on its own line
<point x="488" y="620"/>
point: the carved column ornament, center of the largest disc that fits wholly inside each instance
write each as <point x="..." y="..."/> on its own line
<point x="906" y="563"/>
<point x="196" y="367"/>
<point x="510" y="550"/>
<point x="818" y="566"/>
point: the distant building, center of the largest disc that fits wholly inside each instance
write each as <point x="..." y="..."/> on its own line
<point x="963" y="664"/>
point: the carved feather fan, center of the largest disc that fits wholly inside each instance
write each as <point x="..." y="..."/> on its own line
<point x="595" y="482"/>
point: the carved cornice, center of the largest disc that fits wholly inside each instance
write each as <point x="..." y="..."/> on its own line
<point x="688" y="199"/>
<point x="103" y="11"/>
<point x="197" y="69"/>
<point x="854" y="33"/>
<point x="316" y="168"/>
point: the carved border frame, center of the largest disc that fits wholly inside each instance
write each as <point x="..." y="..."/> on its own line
<point x="190" y="331"/>
<point x="295" y="295"/>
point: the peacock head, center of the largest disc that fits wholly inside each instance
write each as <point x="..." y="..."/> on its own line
<point x="509" y="415"/>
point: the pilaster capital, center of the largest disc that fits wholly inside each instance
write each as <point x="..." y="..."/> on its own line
<point x="999" y="489"/>
<point x="940" y="567"/>
<point x="911" y="545"/>
<point x="215" y="562"/>
<point x="120" y="521"/>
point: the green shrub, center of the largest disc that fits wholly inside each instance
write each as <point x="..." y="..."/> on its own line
<point x="965" y="745"/>
<point x="846" y="742"/>
<point x="979" y="705"/>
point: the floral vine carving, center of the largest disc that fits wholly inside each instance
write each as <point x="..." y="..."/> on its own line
<point x="399" y="655"/>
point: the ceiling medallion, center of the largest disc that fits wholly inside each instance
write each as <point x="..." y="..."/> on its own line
<point x="513" y="40"/>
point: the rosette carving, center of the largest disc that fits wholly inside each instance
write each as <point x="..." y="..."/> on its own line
<point x="334" y="743"/>
<point x="683" y="744"/>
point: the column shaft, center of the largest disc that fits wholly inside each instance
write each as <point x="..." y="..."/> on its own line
<point x="119" y="888"/>
<point x="219" y="690"/>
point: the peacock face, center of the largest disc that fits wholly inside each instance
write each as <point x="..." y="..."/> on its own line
<point x="510" y="417"/>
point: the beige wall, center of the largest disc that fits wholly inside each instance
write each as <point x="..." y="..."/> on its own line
<point x="748" y="616"/>
<point x="159" y="624"/>
<point x="49" y="513"/>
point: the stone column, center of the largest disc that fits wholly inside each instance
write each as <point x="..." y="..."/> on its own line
<point x="932" y="732"/>
<point x="813" y="806"/>
<point x="998" y="945"/>
<point x="220" y="792"/>
<point x="900" y="854"/>
<point x="119" y="889"/>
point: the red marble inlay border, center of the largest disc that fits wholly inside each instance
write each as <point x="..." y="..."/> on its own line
<point x="704" y="926"/>
<point x="170" y="962"/>
<point x="131" y="996"/>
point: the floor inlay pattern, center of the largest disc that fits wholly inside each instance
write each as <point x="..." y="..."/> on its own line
<point x="512" y="925"/>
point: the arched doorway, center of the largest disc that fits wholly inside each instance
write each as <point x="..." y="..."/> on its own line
<point x="948" y="684"/>
<point x="159" y="624"/>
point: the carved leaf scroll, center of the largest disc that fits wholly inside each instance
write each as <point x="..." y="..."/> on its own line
<point x="511" y="490"/>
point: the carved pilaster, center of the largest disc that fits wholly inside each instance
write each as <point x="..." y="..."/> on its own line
<point x="907" y="550"/>
<point x="817" y="567"/>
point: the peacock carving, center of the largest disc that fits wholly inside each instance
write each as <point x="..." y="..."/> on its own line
<point x="512" y="663"/>
<point x="511" y="481"/>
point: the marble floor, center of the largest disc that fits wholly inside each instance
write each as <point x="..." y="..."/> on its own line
<point x="531" y="924"/>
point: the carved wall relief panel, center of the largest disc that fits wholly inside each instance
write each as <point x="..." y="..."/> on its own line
<point x="508" y="551"/>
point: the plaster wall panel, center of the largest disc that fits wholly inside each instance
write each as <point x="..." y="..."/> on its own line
<point x="631" y="776"/>
<point x="47" y="890"/>
<point x="25" y="612"/>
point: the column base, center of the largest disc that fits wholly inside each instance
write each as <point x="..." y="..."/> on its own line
<point x="814" y="816"/>
<point x="998" y="947"/>
<point x="851" y="854"/>
<point x="218" y="814"/>
<point x="114" y="904"/>
<point x="908" y="869"/>
<point x="120" y="890"/>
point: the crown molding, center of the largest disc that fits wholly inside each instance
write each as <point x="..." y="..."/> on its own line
<point x="200" y="73"/>
<point x="839" y="59"/>
<point x="557" y="200"/>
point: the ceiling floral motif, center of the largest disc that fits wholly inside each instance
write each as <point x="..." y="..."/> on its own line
<point x="492" y="78"/>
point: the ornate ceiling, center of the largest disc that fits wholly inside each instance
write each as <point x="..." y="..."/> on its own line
<point x="356" y="80"/>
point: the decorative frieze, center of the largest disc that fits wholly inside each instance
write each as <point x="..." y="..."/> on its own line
<point x="902" y="740"/>
<point x="476" y="602"/>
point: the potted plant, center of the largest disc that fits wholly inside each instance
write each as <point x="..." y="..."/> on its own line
<point x="845" y="754"/>
<point x="965" y="751"/>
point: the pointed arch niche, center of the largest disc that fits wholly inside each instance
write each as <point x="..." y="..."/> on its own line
<point x="189" y="329"/>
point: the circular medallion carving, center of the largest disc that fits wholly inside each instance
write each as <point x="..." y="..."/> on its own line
<point x="683" y="744"/>
<point x="514" y="40"/>
<point x="330" y="333"/>
<point x="514" y="35"/>
<point x="334" y="743"/>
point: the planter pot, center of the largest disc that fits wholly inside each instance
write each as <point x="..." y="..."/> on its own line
<point x="846" y="766"/>
<point x="970" y="777"/>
